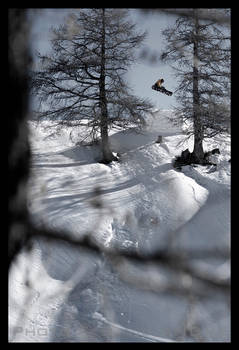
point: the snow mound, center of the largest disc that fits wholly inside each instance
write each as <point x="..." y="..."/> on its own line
<point x="139" y="203"/>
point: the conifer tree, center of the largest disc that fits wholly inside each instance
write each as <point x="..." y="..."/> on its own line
<point x="83" y="78"/>
<point x="200" y="52"/>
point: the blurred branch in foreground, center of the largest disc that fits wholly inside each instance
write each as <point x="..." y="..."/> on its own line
<point x="217" y="15"/>
<point x="123" y="261"/>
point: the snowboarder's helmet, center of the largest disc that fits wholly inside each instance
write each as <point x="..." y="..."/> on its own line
<point x="162" y="80"/>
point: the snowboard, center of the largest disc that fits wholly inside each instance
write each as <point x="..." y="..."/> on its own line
<point x="162" y="89"/>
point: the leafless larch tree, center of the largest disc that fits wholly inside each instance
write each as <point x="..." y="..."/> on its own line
<point x="199" y="50"/>
<point x="83" y="78"/>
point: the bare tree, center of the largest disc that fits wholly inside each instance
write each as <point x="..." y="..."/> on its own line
<point x="200" y="52"/>
<point x="83" y="79"/>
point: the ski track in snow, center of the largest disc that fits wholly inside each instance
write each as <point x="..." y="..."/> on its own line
<point x="145" y="203"/>
<point x="145" y="336"/>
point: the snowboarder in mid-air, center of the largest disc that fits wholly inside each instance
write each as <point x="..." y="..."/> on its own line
<point x="158" y="86"/>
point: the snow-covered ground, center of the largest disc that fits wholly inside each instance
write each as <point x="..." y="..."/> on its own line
<point x="59" y="293"/>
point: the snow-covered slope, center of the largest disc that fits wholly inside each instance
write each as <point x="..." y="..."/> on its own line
<point x="145" y="204"/>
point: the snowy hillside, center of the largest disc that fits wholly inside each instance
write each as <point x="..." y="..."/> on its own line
<point x="145" y="205"/>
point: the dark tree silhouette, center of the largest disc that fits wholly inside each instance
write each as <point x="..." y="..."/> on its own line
<point x="18" y="144"/>
<point x="200" y="52"/>
<point x="83" y="78"/>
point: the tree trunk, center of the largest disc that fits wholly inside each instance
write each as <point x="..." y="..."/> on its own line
<point x="107" y="154"/>
<point x="198" y="128"/>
